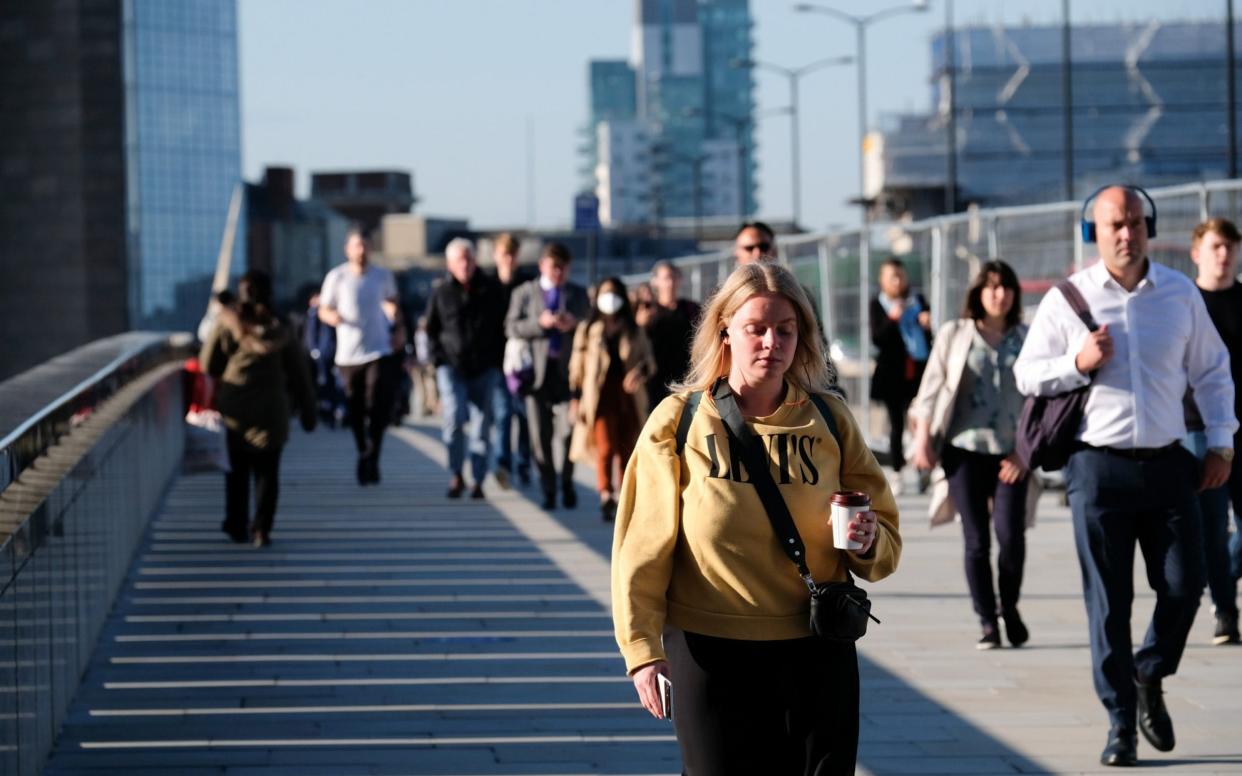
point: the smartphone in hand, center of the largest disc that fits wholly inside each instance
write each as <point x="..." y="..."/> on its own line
<point x="666" y="695"/>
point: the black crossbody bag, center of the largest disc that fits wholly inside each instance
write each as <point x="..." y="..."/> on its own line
<point x="1048" y="426"/>
<point x="839" y="610"/>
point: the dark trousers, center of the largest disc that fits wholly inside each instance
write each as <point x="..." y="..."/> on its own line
<point x="1117" y="502"/>
<point x="897" y="407"/>
<point x="543" y="407"/>
<point x="974" y="486"/>
<point x="763" y="707"/>
<point x="245" y="462"/>
<point x="369" y="391"/>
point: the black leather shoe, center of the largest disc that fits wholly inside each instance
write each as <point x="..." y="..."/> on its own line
<point x="569" y="497"/>
<point x="1122" y="750"/>
<point x="1153" y="717"/>
<point x="1015" y="629"/>
<point x="456" y="487"/>
<point x="549" y="501"/>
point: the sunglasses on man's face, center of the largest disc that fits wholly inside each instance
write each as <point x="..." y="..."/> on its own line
<point x="763" y="247"/>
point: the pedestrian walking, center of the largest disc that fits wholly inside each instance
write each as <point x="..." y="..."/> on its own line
<point x="703" y="591"/>
<point x="1129" y="480"/>
<point x="465" y="318"/>
<point x="1214" y="250"/>
<point x="510" y="407"/>
<point x="257" y="362"/>
<point x="754" y="241"/>
<point x="359" y="300"/>
<point x="966" y="418"/>
<point x="669" y="327"/>
<point x="319" y="339"/>
<point x="608" y="372"/>
<point x="545" y="312"/>
<point x="901" y="333"/>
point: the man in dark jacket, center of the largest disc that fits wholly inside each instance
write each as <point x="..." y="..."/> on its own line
<point x="670" y="327"/>
<point x="465" y="326"/>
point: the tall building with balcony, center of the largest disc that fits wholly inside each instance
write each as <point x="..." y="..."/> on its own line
<point x="613" y="98"/>
<point x="119" y="150"/>
<point x="1148" y="106"/>
<point x="623" y="173"/>
<point x="692" y="89"/>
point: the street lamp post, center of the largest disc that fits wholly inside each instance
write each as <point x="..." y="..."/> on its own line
<point x="795" y="74"/>
<point x="860" y="24"/>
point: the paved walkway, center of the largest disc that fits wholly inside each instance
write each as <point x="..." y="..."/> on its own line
<point x="390" y="631"/>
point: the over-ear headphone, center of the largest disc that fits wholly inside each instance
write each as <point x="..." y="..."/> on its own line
<point x="1088" y="227"/>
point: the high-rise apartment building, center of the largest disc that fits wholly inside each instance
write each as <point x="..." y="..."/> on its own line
<point x="119" y="150"/>
<point x="693" y="91"/>
<point x="1148" y="106"/>
<point x="613" y="97"/>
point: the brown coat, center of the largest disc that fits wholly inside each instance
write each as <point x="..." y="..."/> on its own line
<point x="256" y="374"/>
<point x="588" y="367"/>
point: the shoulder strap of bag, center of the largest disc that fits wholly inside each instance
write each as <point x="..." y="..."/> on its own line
<point x="687" y="415"/>
<point x="1077" y="303"/>
<point x="692" y="406"/>
<point x="756" y="461"/>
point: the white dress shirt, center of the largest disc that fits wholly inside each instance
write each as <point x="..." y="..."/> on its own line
<point x="1163" y="340"/>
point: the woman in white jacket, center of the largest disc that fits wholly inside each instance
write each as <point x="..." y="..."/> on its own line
<point x="966" y="416"/>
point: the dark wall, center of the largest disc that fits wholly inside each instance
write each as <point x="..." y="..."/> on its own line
<point x="62" y="178"/>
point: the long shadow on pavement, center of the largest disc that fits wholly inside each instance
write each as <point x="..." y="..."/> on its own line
<point x="904" y="731"/>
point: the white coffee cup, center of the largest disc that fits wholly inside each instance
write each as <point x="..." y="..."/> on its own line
<point x="846" y="504"/>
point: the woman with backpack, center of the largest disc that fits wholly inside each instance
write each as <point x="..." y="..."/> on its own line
<point x="704" y="593"/>
<point x="966" y="418"/>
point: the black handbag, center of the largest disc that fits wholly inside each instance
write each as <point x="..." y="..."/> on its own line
<point x="839" y="610"/>
<point x="1048" y="426"/>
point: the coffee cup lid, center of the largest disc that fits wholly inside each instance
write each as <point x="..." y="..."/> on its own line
<point x="851" y="498"/>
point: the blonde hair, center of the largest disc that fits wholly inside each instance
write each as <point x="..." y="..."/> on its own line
<point x="710" y="358"/>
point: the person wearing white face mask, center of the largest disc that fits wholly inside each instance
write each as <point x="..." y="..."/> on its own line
<point x="611" y="363"/>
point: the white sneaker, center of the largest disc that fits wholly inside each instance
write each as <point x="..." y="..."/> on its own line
<point x="895" y="483"/>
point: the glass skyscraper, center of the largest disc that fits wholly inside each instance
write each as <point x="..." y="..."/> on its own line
<point x="690" y="83"/>
<point x="613" y="98"/>
<point x="182" y="152"/>
<point x="1148" y="107"/>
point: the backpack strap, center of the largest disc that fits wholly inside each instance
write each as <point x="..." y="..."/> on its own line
<point x="687" y="417"/>
<point x="822" y="406"/>
<point x="692" y="406"/>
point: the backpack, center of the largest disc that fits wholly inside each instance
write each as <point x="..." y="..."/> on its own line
<point x="692" y="406"/>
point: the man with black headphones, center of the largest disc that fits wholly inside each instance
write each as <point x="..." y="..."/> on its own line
<point x="1130" y="481"/>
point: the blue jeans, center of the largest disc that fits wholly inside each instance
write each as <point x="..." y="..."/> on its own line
<point x="1117" y="502"/>
<point x="1214" y="505"/>
<point x="466" y="407"/>
<point x="506" y="408"/>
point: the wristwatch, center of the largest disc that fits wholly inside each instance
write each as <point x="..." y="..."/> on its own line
<point x="1223" y="452"/>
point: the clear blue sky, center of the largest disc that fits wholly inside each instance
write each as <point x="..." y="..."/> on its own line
<point x="445" y="89"/>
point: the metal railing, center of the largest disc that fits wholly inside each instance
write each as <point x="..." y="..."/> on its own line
<point x="942" y="255"/>
<point x="89" y="443"/>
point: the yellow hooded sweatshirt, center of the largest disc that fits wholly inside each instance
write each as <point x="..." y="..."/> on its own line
<point x="693" y="547"/>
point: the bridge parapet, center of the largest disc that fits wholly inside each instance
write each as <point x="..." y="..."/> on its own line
<point x="89" y="443"/>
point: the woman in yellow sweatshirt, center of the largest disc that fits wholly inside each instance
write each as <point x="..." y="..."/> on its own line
<point x="702" y="592"/>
